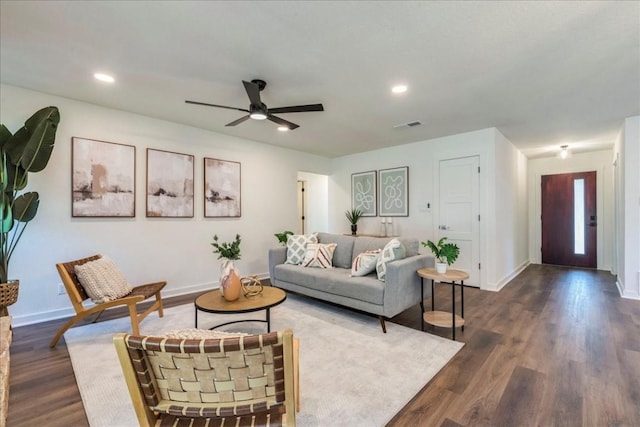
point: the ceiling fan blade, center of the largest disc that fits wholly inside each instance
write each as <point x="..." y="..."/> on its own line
<point x="282" y="122"/>
<point x="218" y="106"/>
<point x="237" y="122"/>
<point x="297" y="109"/>
<point x="253" y="90"/>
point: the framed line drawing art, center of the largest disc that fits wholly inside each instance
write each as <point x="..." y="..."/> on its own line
<point x="394" y="191"/>
<point x="103" y="180"/>
<point x="221" y="188"/>
<point x="169" y="184"/>
<point x="364" y="192"/>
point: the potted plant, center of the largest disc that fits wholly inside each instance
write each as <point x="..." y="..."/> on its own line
<point x="28" y="150"/>
<point x="445" y="253"/>
<point x="283" y="237"/>
<point x="353" y="216"/>
<point x="230" y="285"/>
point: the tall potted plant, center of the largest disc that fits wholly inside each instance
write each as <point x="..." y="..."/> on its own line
<point x="445" y="253"/>
<point x="353" y="216"/>
<point x="230" y="285"/>
<point x="28" y="150"/>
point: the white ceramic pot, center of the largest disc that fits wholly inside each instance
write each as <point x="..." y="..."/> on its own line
<point x="441" y="267"/>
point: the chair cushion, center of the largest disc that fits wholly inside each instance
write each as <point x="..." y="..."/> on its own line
<point x="392" y="251"/>
<point x="297" y="247"/>
<point x="365" y="263"/>
<point x="102" y="280"/>
<point x="319" y="255"/>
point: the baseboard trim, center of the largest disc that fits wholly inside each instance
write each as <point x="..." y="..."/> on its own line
<point x="46" y="316"/>
<point x="505" y="280"/>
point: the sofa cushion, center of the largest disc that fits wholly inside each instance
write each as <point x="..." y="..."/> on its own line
<point x="392" y="251"/>
<point x="297" y="247"/>
<point x="362" y="244"/>
<point x="335" y="281"/>
<point x="342" y="257"/>
<point x="365" y="263"/>
<point x="319" y="255"/>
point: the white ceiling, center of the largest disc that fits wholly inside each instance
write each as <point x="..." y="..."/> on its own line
<point x="543" y="73"/>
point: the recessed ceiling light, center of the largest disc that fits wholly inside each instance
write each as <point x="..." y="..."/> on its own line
<point x="104" y="77"/>
<point x="283" y="128"/>
<point x="399" y="89"/>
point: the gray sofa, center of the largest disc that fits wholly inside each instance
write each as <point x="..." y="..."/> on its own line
<point x="399" y="291"/>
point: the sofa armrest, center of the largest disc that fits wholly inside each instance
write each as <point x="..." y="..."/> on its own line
<point x="276" y="256"/>
<point x="402" y="283"/>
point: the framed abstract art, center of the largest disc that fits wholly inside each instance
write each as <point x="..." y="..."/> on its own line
<point x="364" y="192"/>
<point x="103" y="180"/>
<point x="169" y="184"/>
<point x="221" y="188"/>
<point x="394" y="191"/>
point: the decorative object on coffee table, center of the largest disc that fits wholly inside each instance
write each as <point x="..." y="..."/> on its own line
<point x="251" y="286"/>
<point x="445" y="253"/>
<point x="28" y="150"/>
<point x="353" y="216"/>
<point x="230" y="285"/>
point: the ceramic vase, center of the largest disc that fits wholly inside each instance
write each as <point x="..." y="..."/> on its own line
<point x="230" y="285"/>
<point x="354" y="229"/>
<point x="441" y="267"/>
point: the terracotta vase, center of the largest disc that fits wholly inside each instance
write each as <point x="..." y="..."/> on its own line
<point x="230" y="285"/>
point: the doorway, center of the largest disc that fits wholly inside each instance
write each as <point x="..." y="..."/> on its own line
<point x="569" y="219"/>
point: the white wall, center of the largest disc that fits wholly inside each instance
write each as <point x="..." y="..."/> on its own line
<point x="423" y="159"/>
<point x="599" y="161"/>
<point x="626" y="155"/>
<point x="146" y="249"/>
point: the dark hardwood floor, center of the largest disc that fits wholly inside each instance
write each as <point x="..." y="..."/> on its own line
<point x="555" y="347"/>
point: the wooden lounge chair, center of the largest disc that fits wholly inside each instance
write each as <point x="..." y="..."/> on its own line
<point x="77" y="295"/>
<point x="234" y="381"/>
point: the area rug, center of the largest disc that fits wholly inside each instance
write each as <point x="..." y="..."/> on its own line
<point x="351" y="374"/>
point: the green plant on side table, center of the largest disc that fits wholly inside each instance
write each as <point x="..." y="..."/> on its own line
<point x="445" y="253"/>
<point x="28" y="150"/>
<point x="283" y="237"/>
<point x="353" y="216"/>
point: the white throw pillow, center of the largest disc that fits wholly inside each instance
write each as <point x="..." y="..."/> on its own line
<point x="392" y="251"/>
<point x="319" y="255"/>
<point x="102" y="281"/>
<point x="297" y="247"/>
<point x="365" y="263"/>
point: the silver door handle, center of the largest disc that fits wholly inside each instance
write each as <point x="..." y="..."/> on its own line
<point x="444" y="227"/>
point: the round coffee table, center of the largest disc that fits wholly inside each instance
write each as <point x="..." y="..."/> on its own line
<point x="214" y="302"/>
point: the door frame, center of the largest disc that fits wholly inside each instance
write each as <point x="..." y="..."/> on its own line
<point x="483" y="155"/>
<point x="536" y="233"/>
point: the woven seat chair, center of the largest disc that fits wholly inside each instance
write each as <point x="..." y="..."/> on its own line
<point x="77" y="295"/>
<point x="238" y="381"/>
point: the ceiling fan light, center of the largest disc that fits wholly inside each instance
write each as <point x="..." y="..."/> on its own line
<point x="283" y="128"/>
<point x="258" y="115"/>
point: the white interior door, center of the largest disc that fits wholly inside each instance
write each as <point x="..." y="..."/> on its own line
<point x="458" y="213"/>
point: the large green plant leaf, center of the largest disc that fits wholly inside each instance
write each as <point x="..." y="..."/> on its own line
<point x="7" y="216"/>
<point x="32" y="145"/>
<point x="5" y="134"/>
<point x="17" y="177"/>
<point x="25" y="206"/>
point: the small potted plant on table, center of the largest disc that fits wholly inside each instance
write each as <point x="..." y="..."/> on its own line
<point x="445" y="253"/>
<point x="230" y="285"/>
<point x="353" y="216"/>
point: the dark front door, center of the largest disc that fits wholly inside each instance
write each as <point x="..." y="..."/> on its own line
<point x="569" y="221"/>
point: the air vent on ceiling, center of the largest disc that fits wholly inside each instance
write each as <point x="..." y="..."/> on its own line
<point x="408" y="125"/>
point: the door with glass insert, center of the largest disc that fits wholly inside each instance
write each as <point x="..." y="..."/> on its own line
<point x="569" y="219"/>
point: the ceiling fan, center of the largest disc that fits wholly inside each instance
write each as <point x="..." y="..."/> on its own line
<point x="259" y="111"/>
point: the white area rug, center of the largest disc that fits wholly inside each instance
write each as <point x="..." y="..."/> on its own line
<point x="351" y="374"/>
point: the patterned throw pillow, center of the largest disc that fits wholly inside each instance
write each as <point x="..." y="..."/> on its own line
<point x="319" y="255"/>
<point x="365" y="263"/>
<point x="297" y="247"/>
<point x="102" y="280"/>
<point x="392" y="251"/>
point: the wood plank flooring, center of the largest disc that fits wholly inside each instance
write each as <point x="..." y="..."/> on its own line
<point x="555" y="347"/>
